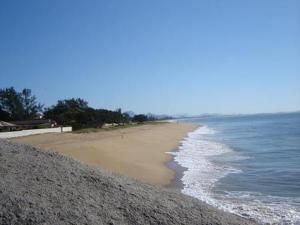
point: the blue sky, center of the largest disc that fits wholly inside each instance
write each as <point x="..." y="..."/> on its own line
<point x="160" y="56"/>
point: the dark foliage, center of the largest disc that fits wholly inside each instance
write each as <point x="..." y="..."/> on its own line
<point x="77" y="113"/>
<point x="4" y="115"/>
<point x="140" y="118"/>
<point x="73" y="112"/>
<point x="18" y="105"/>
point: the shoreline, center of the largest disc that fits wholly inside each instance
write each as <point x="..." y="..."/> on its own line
<point x="41" y="186"/>
<point x="140" y="152"/>
<point x="176" y="183"/>
<point x="179" y="170"/>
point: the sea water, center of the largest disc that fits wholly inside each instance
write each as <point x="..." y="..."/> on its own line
<point x="245" y="164"/>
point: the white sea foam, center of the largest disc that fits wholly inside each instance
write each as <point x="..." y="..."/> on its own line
<point x="266" y="209"/>
<point x="195" y="154"/>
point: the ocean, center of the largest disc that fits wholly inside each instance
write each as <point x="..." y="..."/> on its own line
<point x="245" y="164"/>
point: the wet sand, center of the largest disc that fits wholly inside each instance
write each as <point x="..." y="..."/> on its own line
<point x="138" y="152"/>
<point x="176" y="183"/>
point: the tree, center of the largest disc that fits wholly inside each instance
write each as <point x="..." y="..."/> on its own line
<point x="4" y="115"/>
<point x="77" y="113"/>
<point x="126" y="117"/>
<point x="139" y="118"/>
<point x="30" y="106"/>
<point x="67" y="112"/>
<point x="18" y="105"/>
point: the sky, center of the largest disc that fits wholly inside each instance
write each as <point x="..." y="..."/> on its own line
<point x="159" y="56"/>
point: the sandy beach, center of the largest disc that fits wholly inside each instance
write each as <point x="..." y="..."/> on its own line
<point x="138" y="152"/>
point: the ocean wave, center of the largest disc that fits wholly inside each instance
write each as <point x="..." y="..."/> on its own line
<point x="264" y="208"/>
<point x="202" y="173"/>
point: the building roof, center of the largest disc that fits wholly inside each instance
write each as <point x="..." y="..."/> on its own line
<point x="6" y="124"/>
<point x="32" y="122"/>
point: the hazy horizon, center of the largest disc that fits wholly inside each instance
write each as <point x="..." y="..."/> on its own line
<point x="162" y="57"/>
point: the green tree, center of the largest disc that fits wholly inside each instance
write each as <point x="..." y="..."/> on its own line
<point x="67" y="112"/>
<point x="77" y="113"/>
<point x="18" y="105"/>
<point x="126" y="118"/>
<point x="4" y="115"/>
<point x="31" y="107"/>
<point x="140" y="118"/>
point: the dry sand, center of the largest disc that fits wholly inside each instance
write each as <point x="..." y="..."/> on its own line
<point x="138" y="152"/>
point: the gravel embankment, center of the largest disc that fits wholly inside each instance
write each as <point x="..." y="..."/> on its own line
<point x="40" y="187"/>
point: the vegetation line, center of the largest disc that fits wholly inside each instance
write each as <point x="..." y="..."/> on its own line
<point x="117" y="127"/>
<point x="18" y="106"/>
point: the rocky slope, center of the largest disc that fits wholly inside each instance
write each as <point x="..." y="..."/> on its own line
<point x="40" y="187"/>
